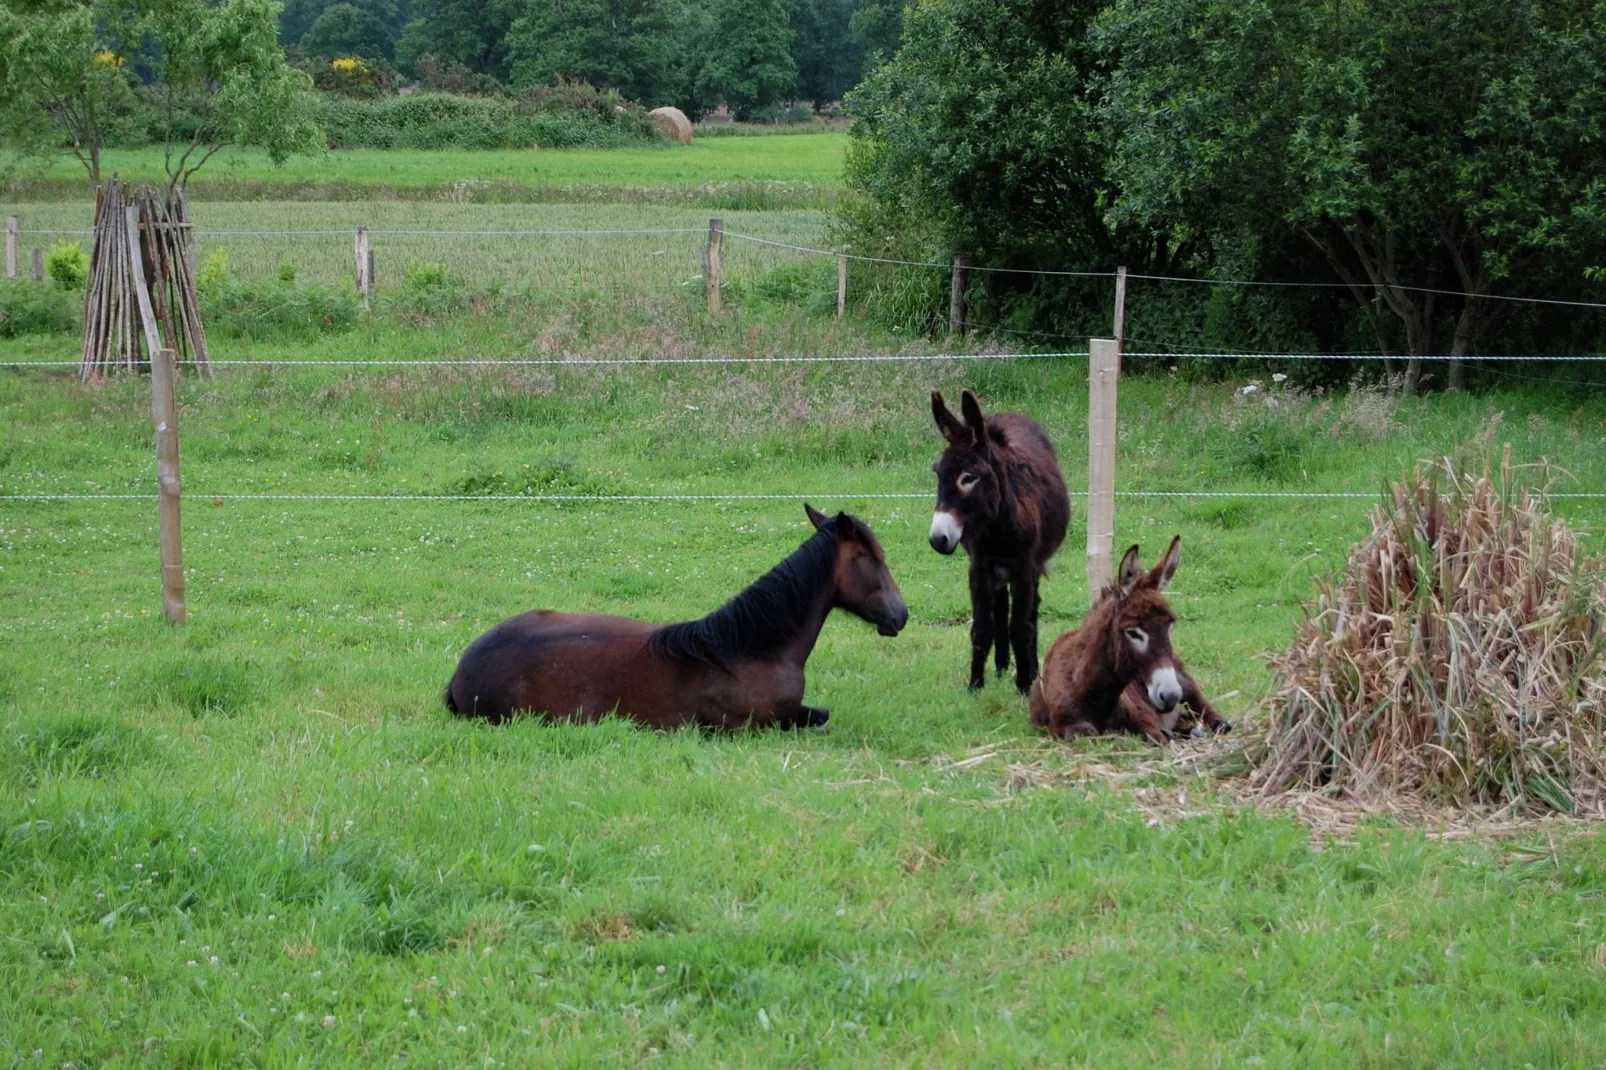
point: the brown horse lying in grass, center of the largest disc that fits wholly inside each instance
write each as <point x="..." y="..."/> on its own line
<point x="741" y="664"/>
<point x="1117" y="671"/>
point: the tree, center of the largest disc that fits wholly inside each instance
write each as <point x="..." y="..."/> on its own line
<point x="612" y="44"/>
<point x="217" y="77"/>
<point x="979" y="132"/>
<point x="1420" y="146"/>
<point x="298" y="16"/>
<point x="472" y="33"/>
<point x="746" y="63"/>
<point x="828" y="58"/>
<point x="346" y="30"/>
<point x="64" y="79"/>
<point x="876" y="26"/>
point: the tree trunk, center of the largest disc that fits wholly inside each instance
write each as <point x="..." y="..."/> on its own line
<point x="1461" y="346"/>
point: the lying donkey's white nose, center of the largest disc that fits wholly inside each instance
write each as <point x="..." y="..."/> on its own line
<point x="1165" y="690"/>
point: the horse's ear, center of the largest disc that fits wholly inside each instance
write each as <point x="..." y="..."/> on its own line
<point x="973" y="417"/>
<point x="1167" y="568"/>
<point x="817" y="518"/>
<point x="844" y="526"/>
<point x="1126" y="577"/>
<point x="955" y="432"/>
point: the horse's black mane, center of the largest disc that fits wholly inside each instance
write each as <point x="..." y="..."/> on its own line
<point x="762" y="619"/>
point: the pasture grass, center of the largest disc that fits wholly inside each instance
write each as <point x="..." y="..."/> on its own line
<point x="793" y="170"/>
<point x="260" y="838"/>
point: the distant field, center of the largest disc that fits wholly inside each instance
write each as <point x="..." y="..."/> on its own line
<point x="788" y="169"/>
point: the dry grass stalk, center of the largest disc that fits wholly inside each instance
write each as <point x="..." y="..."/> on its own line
<point x="1457" y="660"/>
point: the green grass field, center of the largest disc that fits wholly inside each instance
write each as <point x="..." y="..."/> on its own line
<point x="260" y="839"/>
<point x="780" y="170"/>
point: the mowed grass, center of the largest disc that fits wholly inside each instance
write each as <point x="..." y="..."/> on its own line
<point x="260" y="838"/>
<point x="780" y="167"/>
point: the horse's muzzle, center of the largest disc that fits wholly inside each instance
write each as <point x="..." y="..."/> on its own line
<point x="891" y="622"/>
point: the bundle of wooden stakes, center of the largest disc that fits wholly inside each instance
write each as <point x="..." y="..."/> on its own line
<point x="141" y="293"/>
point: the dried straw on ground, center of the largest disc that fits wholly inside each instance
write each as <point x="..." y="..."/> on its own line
<point x="1457" y="661"/>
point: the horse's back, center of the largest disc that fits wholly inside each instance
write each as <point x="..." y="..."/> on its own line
<point x="563" y="664"/>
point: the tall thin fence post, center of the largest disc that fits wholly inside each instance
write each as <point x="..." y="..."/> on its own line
<point x="841" y="284"/>
<point x="1120" y="309"/>
<point x="1103" y="373"/>
<point x="164" y="413"/>
<point x="373" y="279"/>
<point x="38" y="258"/>
<point x="360" y="256"/>
<point x="956" y="295"/>
<point x="13" y="232"/>
<point x="712" y="257"/>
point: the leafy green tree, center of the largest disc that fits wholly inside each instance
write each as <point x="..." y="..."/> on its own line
<point x="613" y="44"/>
<point x="1417" y="145"/>
<point x="346" y="30"/>
<point x="829" y="59"/>
<point x="876" y="26"/>
<point x="978" y="133"/>
<point x="471" y="33"/>
<point x="65" y="81"/>
<point x="216" y="77"/>
<point x="298" y="16"/>
<point x="747" y="62"/>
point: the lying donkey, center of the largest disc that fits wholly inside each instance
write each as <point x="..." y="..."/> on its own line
<point x="1116" y="671"/>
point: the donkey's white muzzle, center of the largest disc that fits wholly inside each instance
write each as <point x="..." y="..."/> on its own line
<point x="945" y="532"/>
<point x="1165" y="690"/>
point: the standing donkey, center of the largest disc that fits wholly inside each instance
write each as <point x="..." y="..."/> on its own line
<point x="1117" y="671"/>
<point x="1000" y="494"/>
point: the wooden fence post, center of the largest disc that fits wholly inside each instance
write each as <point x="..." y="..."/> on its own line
<point x="373" y="279"/>
<point x="13" y="229"/>
<point x="38" y="258"/>
<point x="841" y="284"/>
<point x="956" y="295"/>
<point x="164" y="413"/>
<point x="1120" y="309"/>
<point x="360" y="255"/>
<point x="711" y="258"/>
<point x="1103" y="372"/>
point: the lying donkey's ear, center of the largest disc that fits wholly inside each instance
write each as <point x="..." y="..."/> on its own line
<point x="1126" y="577"/>
<point x="1167" y="567"/>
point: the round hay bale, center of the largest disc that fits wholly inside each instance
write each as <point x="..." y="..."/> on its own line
<point x="1456" y="660"/>
<point x="672" y="123"/>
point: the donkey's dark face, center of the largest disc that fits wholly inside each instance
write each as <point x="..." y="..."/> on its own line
<point x="864" y="587"/>
<point x="1140" y="627"/>
<point x="968" y="492"/>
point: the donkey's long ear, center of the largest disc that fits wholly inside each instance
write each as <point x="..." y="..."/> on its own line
<point x="1126" y="577"/>
<point x="955" y="432"/>
<point x="973" y="417"/>
<point x="1167" y="568"/>
<point x="817" y="518"/>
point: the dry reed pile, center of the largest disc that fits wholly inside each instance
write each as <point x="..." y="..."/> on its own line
<point x="1456" y="660"/>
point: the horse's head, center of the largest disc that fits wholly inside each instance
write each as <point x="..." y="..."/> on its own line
<point x="1140" y="627"/>
<point x="969" y="482"/>
<point x="864" y="587"/>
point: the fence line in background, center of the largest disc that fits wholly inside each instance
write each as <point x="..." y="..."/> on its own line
<point x="1312" y="495"/>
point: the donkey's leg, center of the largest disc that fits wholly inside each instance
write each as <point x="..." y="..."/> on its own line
<point x="1194" y="699"/>
<point x="1023" y="631"/>
<point x="981" y="622"/>
<point x="1001" y="628"/>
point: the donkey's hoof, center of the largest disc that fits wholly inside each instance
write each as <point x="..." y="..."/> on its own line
<point x="976" y="684"/>
<point x="1221" y="728"/>
<point x="1198" y="732"/>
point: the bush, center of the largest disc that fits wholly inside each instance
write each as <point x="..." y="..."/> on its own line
<point x="29" y="308"/>
<point x="235" y="308"/>
<point x="566" y="116"/>
<point x="67" y="264"/>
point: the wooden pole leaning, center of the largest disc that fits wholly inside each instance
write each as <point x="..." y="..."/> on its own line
<point x="841" y="284"/>
<point x="164" y="413"/>
<point x="1103" y="373"/>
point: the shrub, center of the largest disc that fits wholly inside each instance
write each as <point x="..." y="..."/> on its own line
<point x="566" y="116"/>
<point x="67" y="264"/>
<point x="29" y="308"/>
